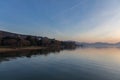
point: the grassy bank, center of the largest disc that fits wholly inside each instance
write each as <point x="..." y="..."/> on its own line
<point x="6" y="49"/>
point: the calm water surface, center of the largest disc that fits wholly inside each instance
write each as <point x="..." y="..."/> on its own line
<point x="79" y="64"/>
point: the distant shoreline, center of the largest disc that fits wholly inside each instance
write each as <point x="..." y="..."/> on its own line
<point x="7" y="49"/>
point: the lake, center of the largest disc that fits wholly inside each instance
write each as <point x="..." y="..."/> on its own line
<point x="78" y="64"/>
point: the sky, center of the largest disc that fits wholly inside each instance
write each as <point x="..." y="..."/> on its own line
<point x="76" y="20"/>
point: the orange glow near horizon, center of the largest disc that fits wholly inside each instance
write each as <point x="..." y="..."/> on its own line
<point x="92" y="40"/>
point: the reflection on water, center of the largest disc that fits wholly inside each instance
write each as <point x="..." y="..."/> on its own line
<point x="6" y="56"/>
<point x="79" y="64"/>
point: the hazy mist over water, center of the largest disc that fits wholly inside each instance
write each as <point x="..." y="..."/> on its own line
<point x="79" y="64"/>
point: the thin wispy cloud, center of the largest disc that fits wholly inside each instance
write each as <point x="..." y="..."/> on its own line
<point x="79" y="20"/>
<point x="69" y="9"/>
<point x="107" y="27"/>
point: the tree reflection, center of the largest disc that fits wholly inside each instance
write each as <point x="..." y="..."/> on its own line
<point x="7" y="56"/>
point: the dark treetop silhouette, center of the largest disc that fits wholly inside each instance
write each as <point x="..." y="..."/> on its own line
<point x="8" y="39"/>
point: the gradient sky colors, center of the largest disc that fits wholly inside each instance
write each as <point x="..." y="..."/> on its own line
<point x="78" y="20"/>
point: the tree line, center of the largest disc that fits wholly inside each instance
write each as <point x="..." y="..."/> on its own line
<point x="18" y="41"/>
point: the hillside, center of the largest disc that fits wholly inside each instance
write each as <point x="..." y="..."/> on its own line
<point x="6" y="33"/>
<point x="9" y="39"/>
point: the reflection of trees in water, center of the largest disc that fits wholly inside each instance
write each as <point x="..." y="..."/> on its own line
<point x="7" y="56"/>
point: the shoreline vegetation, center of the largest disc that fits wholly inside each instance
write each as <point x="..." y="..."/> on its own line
<point x="16" y="42"/>
<point x="8" y="49"/>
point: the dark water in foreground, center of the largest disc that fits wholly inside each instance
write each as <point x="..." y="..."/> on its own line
<point x="79" y="64"/>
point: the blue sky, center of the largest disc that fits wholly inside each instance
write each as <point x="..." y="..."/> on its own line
<point x="78" y="20"/>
